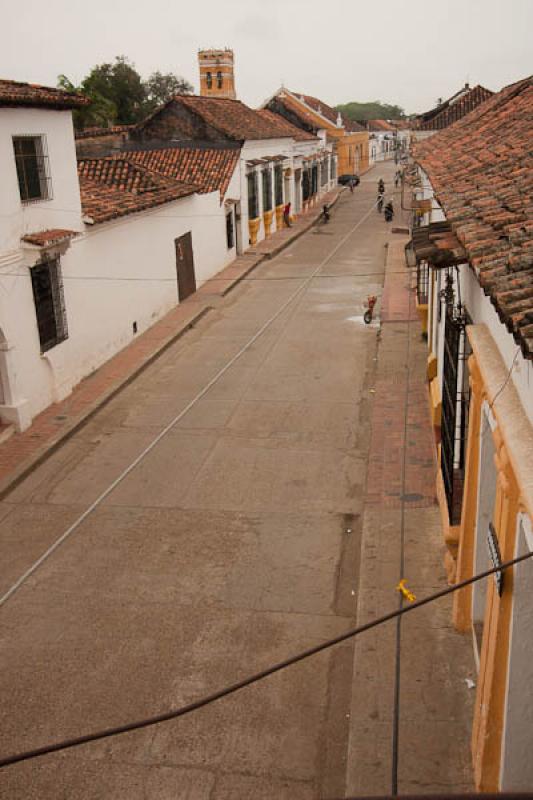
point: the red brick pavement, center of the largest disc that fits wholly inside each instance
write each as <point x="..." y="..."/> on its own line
<point x="400" y="423"/>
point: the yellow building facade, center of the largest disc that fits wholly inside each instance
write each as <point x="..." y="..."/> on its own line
<point x="351" y="141"/>
<point x="217" y="74"/>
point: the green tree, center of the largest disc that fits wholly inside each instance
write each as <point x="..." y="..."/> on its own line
<point x="120" y="84"/>
<point x="371" y="110"/>
<point x="160" y="87"/>
<point x="100" y="113"/>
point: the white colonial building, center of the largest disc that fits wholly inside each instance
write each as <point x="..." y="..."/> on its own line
<point x="91" y="253"/>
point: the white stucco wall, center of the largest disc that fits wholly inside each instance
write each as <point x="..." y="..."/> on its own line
<point x="63" y="210"/>
<point x="114" y="274"/>
<point x="271" y="147"/>
<point x="482" y="310"/>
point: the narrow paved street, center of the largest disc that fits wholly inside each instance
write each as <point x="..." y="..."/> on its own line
<point x="233" y="544"/>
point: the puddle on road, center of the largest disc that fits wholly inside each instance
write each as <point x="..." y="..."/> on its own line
<point x="360" y="321"/>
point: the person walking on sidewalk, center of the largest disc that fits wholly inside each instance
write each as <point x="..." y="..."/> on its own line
<point x="287" y="215"/>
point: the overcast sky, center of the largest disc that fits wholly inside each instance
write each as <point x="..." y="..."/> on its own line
<point x="408" y="52"/>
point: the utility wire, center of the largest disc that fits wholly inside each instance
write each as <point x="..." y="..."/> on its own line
<point x="136" y="461"/>
<point x="181" y="711"/>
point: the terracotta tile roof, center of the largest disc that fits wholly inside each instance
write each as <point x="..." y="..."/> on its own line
<point x="50" y="237"/>
<point x="113" y="187"/>
<point x="300" y="107"/>
<point x="330" y="113"/>
<point x="482" y="173"/>
<point x="380" y="126"/>
<point x="13" y="93"/>
<point x="286" y="128"/>
<point x="210" y="169"/>
<point x="90" y="133"/>
<point x="231" y="117"/>
<point x="453" y="109"/>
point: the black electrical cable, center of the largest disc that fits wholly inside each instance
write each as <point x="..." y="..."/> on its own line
<point x="265" y="673"/>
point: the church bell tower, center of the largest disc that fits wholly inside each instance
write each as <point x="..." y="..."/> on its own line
<point x="217" y="78"/>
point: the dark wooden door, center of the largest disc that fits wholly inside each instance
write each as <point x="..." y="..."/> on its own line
<point x="185" y="266"/>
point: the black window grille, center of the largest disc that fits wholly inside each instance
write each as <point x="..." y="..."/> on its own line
<point x="33" y="170"/>
<point x="306" y="185"/>
<point x="314" y="179"/>
<point x="230" y="234"/>
<point x="422" y="282"/>
<point x="253" y="206"/>
<point x="49" y="299"/>
<point x="278" y="184"/>
<point x="219" y="80"/>
<point x="209" y="80"/>
<point x="267" y="189"/>
<point x="455" y="404"/>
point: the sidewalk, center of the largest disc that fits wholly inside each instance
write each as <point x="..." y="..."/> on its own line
<point x="402" y="539"/>
<point x="22" y="452"/>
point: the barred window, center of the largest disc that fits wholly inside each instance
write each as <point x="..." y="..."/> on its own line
<point x="278" y="184"/>
<point x="306" y="185"/>
<point x="253" y="205"/>
<point x="267" y="189"/>
<point x="230" y="236"/>
<point x="208" y="80"/>
<point x="219" y="80"/>
<point x="47" y="285"/>
<point x="33" y="171"/>
<point x="314" y="179"/>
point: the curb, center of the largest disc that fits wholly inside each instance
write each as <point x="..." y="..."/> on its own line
<point x="18" y="475"/>
<point x="8" y="484"/>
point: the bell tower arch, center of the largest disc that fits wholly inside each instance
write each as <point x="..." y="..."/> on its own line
<point x="217" y="77"/>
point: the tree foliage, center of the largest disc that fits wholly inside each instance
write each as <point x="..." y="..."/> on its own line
<point x="100" y="113"/>
<point x="160" y="87"/>
<point x="118" y="94"/>
<point x="121" y="84"/>
<point x="371" y="110"/>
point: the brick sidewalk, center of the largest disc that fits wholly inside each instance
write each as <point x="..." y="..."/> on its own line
<point x="23" y="451"/>
<point x="410" y="679"/>
<point x="393" y="389"/>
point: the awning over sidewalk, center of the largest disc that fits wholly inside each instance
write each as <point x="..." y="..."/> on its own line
<point x="438" y="245"/>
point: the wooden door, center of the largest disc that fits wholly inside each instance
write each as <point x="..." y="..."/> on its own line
<point x="185" y="266"/>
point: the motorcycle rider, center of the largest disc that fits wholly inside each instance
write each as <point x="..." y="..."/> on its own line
<point x="389" y="211"/>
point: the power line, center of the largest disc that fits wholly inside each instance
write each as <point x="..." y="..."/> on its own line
<point x="118" y="480"/>
<point x="181" y="711"/>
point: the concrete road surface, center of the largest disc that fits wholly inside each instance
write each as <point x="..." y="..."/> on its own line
<point x="234" y="543"/>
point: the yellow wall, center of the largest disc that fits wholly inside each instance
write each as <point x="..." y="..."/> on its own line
<point x="352" y="151"/>
<point x="511" y="490"/>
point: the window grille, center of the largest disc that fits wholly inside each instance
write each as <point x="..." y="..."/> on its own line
<point x="49" y="299"/>
<point x="253" y="205"/>
<point x="33" y="170"/>
<point x="314" y="179"/>
<point x="219" y="80"/>
<point x="455" y="403"/>
<point x="230" y="237"/>
<point x="306" y="185"/>
<point x="278" y="184"/>
<point x="267" y="189"/>
<point x="209" y="80"/>
<point x="422" y="282"/>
